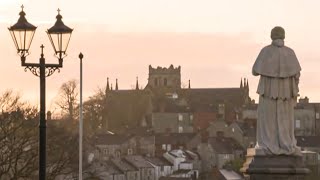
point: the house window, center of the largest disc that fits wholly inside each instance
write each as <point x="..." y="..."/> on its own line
<point x="163" y="146"/>
<point x="221" y="109"/>
<point x="106" y="151"/>
<point x="191" y="119"/>
<point x="175" y="96"/>
<point x="180" y="129"/>
<point x="130" y="152"/>
<point x="162" y="168"/>
<point x="318" y="156"/>
<point x="232" y="129"/>
<point x="317" y="115"/>
<point x="169" y="147"/>
<point x="298" y="123"/>
<point x="226" y="156"/>
<point x="118" y="154"/>
<point x="180" y="117"/>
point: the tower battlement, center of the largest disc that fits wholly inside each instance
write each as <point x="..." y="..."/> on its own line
<point x="165" y="77"/>
<point x="164" y="70"/>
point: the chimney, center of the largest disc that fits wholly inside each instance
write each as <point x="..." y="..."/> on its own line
<point x="137" y="84"/>
<point x="49" y="116"/>
<point x="108" y="87"/>
<point x="117" y="85"/>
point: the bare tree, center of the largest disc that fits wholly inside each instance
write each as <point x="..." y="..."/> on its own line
<point x="19" y="142"/>
<point x="68" y="98"/>
<point x="18" y="156"/>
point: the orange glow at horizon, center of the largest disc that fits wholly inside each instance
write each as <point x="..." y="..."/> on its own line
<point x="119" y="39"/>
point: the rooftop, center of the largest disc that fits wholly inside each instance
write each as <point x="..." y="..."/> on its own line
<point x="110" y="139"/>
<point x="230" y="175"/>
<point x="138" y="161"/>
<point x="224" y="145"/>
<point x="173" y="138"/>
<point x="123" y="165"/>
<point x="159" y="161"/>
<point x="308" y="141"/>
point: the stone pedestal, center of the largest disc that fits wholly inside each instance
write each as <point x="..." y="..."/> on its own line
<point x="261" y="166"/>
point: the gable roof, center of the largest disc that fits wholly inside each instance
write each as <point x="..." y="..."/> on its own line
<point x="110" y="139"/>
<point x="138" y="161"/>
<point x="224" y="145"/>
<point x="246" y="129"/>
<point x="208" y="98"/>
<point x="123" y="165"/>
<point x="173" y="138"/>
<point x="159" y="161"/>
<point x="111" y="168"/>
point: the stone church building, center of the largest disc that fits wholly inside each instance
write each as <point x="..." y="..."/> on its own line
<point x="163" y="105"/>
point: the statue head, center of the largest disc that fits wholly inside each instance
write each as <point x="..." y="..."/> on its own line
<point x="277" y="33"/>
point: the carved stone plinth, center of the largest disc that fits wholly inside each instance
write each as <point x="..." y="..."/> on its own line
<point x="261" y="166"/>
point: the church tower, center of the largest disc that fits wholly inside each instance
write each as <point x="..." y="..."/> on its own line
<point x="164" y="77"/>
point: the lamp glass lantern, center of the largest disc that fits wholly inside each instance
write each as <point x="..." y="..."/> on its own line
<point x="59" y="36"/>
<point x="22" y="34"/>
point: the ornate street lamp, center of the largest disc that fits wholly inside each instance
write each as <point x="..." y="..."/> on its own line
<point x="22" y="34"/>
<point x="59" y="35"/>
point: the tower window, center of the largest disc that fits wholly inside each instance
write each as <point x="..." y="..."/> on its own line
<point x="156" y="81"/>
<point x="165" y="82"/>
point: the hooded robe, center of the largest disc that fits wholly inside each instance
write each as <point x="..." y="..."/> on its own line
<point x="279" y="72"/>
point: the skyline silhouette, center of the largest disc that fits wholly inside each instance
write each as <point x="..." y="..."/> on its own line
<point x="120" y="39"/>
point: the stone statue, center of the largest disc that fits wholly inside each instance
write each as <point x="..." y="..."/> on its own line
<point x="279" y="72"/>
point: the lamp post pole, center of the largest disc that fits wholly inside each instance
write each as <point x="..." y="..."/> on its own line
<point x="80" y="121"/>
<point x="42" y="125"/>
<point x="22" y="34"/>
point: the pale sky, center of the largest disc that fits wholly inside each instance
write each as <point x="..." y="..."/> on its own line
<point x="215" y="42"/>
